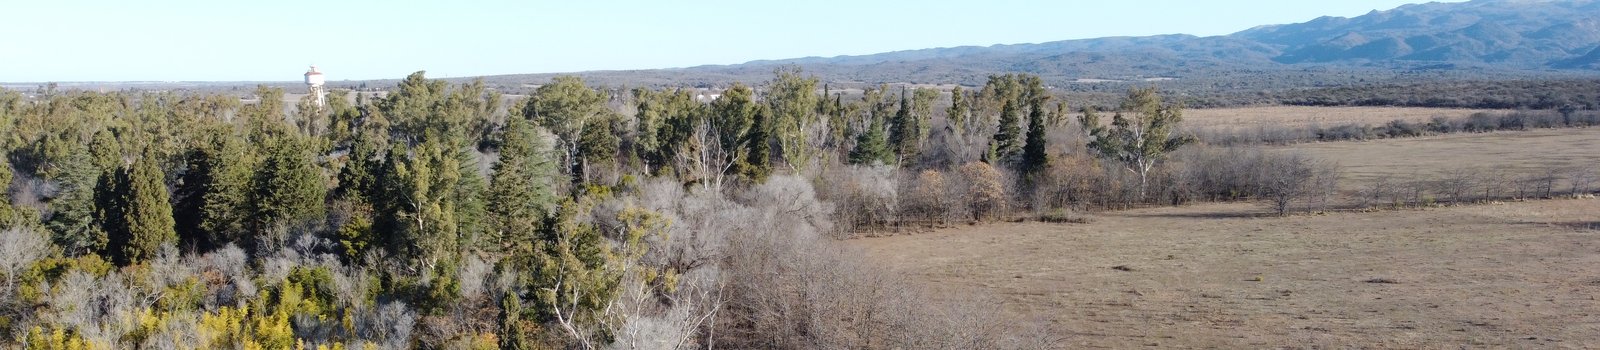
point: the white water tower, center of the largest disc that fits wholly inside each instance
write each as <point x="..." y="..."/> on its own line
<point x="314" y="80"/>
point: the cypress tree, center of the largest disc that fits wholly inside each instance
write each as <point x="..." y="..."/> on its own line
<point x="758" y="153"/>
<point x="521" y="189"/>
<point x="146" y="210"/>
<point x="288" y="188"/>
<point x="1034" y="154"/>
<point x="213" y="198"/>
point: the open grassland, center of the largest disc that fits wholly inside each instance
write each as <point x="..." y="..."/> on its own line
<point x="1302" y="117"/>
<point x="1501" y="275"/>
<point x="1496" y="155"/>
<point x="1517" y="275"/>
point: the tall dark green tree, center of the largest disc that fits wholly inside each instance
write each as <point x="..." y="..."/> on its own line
<point x="1035" y="155"/>
<point x="960" y="111"/>
<point x="871" y="146"/>
<point x="598" y="147"/>
<point x="732" y="118"/>
<point x="758" y="148"/>
<point x="213" y="197"/>
<point x="75" y="217"/>
<point x="904" y="131"/>
<point x="417" y="207"/>
<point x="146" y="210"/>
<point x="1007" y="142"/>
<point x="288" y="187"/>
<point x="7" y="213"/>
<point x="522" y="189"/>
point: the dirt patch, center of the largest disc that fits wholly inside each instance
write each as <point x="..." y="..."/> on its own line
<point x="1217" y="276"/>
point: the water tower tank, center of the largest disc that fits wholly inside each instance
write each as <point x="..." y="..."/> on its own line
<point x="314" y="77"/>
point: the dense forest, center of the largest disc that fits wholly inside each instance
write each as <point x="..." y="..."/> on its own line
<point x="451" y="216"/>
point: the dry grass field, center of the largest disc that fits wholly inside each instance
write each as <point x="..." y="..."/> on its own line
<point x="1510" y="153"/>
<point x="1502" y="275"/>
<point x="1517" y="275"/>
<point x="1300" y="117"/>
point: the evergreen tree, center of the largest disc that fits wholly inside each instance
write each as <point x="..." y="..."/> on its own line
<point x="288" y="188"/>
<point x="597" y="149"/>
<point x="1035" y="156"/>
<point x="213" y="197"/>
<point x="75" y="216"/>
<point x="7" y="213"/>
<point x="522" y="187"/>
<point x="105" y="151"/>
<point x="1007" y="142"/>
<point x="758" y="148"/>
<point x="871" y="146"/>
<point x="956" y="117"/>
<point x="471" y="207"/>
<point x="732" y="118"/>
<point x="417" y="206"/>
<point x="146" y="210"/>
<point x="358" y="177"/>
<point x="903" y="133"/>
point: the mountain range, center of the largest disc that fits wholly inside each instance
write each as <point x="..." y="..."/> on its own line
<point x="1480" y="39"/>
<point x="1525" y="34"/>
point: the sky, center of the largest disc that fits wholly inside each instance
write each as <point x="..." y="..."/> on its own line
<point x="80" y="40"/>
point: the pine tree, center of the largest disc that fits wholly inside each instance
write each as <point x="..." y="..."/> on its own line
<point x="959" y="112"/>
<point x="75" y="216"/>
<point x="1035" y="156"/>
<point x="522" y="188"/>
<point x="213" y="198"/>
<point x="903" y="132"/>
<point x="512" y="335"/>
<point x="1007" y="142"/>
<point x="146" y="211"/>
<point x="288" y="189"/>
<point x="105" y="150"/>
<point x="758" y="148"/>
<point x="871" y="146"/>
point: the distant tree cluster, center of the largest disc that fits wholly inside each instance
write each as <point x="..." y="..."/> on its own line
<point x="1513" y="94"/>
<point x="1475" y="123"/>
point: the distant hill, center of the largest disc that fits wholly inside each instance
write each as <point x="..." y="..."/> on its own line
<point x="1525" y="34"/>
<point x="1476" y="40"/>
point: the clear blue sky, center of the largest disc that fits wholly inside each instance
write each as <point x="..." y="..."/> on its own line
<point x="74" y="40"/>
